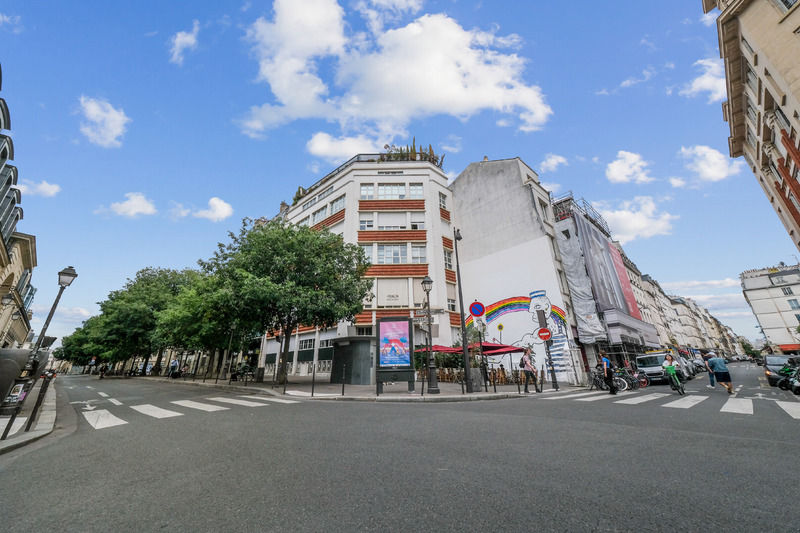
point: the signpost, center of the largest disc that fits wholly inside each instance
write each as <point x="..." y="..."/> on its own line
<point x="544" y="334"/>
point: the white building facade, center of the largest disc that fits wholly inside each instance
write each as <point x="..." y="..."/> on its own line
<point x="774" y="296"/>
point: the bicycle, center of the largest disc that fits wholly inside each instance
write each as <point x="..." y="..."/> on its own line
<point x="674" y="382"/>
<point x="597" y="381"/>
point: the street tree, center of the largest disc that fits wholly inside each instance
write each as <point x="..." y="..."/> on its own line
<point x="283" y="276"/>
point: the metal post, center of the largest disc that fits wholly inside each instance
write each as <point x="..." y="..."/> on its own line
<point x="433" y="385"/>
<point x="464" y="341"/>
<point x="344" y="367"/>
<point x="494" y="379"/>
<point x="11" y="421"/>
<point x="313" y="378"/>
<point x="47" y="322"/>
<point x="42" y="390"/>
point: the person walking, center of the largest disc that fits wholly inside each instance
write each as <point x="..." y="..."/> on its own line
<point x="173" y="366"/>
<point x="720" y="369"/>
<point x="608" y="373"/>
<point x="706" y="357"/>
<point x="530" y="371"/>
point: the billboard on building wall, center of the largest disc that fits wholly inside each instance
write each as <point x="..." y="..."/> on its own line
<point x="606" y="283"/>
<point x="394" y="343"/>
<point x="622" y="274"/>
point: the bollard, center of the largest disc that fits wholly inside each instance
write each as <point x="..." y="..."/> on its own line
<point x="313" y="378"/>
<point x="423" y="376"/>
<point x="344" y="366"/>
<point x="494" y="379"/>
<point x="519" y="378"/>
<point x="285" y="378"/>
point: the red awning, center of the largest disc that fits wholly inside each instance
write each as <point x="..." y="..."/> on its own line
<point x="789" y="347"/>
<point x="505" y="350"/>
<point x="440" y="348"/>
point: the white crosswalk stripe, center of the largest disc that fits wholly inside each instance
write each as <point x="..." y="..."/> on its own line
<point x="792" y="408"/>
<point x="155" y="412"/>
<point x="738" y="405"/>
<point x="103" y="394"/>
<point x="115" y="402"/>
<point x="572" y="396"/>
<point x="271" y="399"/>
<point x="686" y="402"/>
<point x="201" y="406"/>
<point x="234" y="401"/>
<point x="101" y="419"/>
<point x="604" y="396"/>
<point x="641" y="399"/>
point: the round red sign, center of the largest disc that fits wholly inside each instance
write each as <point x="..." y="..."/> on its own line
<point x="544" y="334"/>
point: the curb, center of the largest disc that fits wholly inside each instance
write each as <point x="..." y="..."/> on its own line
<point x="44" y="426"/>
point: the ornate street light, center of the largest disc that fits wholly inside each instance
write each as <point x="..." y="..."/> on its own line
<point x="433" y="385"/>
<point x="464" y="341"/>
<point x="65" y="278"/>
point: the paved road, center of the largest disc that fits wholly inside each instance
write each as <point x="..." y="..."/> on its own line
<point x="177" y="458"/>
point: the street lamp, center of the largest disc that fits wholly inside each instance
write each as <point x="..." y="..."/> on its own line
<point x="464" y="342"/>
<point x="433" y="385"/>
<point x="65" y="278"/>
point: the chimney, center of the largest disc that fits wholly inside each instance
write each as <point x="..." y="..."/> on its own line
<point x="486" y="158"/>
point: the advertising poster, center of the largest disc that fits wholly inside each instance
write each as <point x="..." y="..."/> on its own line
<point x="625" y="283"/>
<point x="394" y="344"/>
<point x="600" y="265"/>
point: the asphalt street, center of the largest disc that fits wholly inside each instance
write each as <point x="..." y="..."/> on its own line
<point x="554" y="462"/>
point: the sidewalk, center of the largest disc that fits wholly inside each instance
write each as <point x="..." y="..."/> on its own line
<point x="300" y="387"/>
<point x="46" y="419"/>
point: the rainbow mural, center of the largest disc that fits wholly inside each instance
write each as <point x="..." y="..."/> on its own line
<point x="515" y="304"/>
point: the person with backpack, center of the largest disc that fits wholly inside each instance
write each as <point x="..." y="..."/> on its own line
<point x="608" y="373"/>
<point x="530" y="371"/>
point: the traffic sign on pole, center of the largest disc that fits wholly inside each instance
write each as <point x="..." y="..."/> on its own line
<point x="544" y="334"/>
<point x="477" y="309"/>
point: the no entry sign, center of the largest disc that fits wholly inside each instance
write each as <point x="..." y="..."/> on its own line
<point x="476" y="309"/>
<point x="544" y="334"/>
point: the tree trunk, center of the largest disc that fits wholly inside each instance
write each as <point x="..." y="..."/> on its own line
<point x="158" y="359"/>
<point x="282" y="372"/>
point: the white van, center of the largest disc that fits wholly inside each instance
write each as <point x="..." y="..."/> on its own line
<point x="651" y="362"/>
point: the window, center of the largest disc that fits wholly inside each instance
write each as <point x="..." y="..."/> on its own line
<point x="442" y="200"/>
<point x="309" y="203"/>
<point x="418" y="254"/>
<point x="303" y="222"/>
<point x="750" y="110"/>
<point x="787" y="291"/>
<point x="750" y="138"/>
<point x="319" y="215"/>
<point x="786" y="5"/>
<point x="417" y="220"/>
<point x="306" y="344"/>
<point x="325" y="193"/>
<point x="365" y="224"/>
<point x="325" y="343"/>
<point x="392" y="254"/>
<point x="451" y="304"/>
<point x="392" y="221"/>
<point x="448" y="259"/>
<point x="391" y="191"/>
<point x="793" y="304"/>
<point x="415" y="191"/>
<point x="752" y="79"/>
<point x="747" y="46"/>
<point x="364" y="331"/>
<point x="543" y="207"/>
<point x="367" y="251"/>
<point x="337" y="205"/>
<point x="367" y="191"/>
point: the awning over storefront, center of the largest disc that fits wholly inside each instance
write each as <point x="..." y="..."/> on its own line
<point x="789" y="347"/>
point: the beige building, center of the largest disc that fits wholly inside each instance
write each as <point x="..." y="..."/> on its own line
<point x="759" y="41"/>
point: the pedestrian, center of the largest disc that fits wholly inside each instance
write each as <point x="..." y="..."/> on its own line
<point x="608" y="373"/>
<point x="173" y="367"/>
<point x="706" y="357"/>
<point x="717" y="365"/>
<point x="530" y="371"/>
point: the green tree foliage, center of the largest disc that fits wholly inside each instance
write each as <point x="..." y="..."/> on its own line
<point x="282" y="276"/>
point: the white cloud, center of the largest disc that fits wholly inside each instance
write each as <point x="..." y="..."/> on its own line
<point x="710" y="164"/>
<point x="218" y="209"/>
<point x="684" y="286"/>
<point x="104" y="125"/>
<point x="677" y="182"/>
<point x="648" y="43"/>
<point x="182" y="41"/>
<point x="628" y="167"/>
<point x="13" y="22"/>
<point x="43" y="188"/>
<point x="637" y="219"/>
<point x="135" y="205"/>
<point x="324" y="145"/>
<point x="452" y="144"/>
<point x="733" y="314"/>
<point x="711" y="80"/>
<point x="552" y="187"/>
<point x="178" y="211"/>
<point x="552" y="162"/>
<point x="719" y="301"/>
<point x="379" y="12"/>
<point x="471" y="74"/>
<point x="709" y="18"/>
<point x="647" y="74"/>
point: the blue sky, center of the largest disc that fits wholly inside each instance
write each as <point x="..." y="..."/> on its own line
<point x="144" y="131"/>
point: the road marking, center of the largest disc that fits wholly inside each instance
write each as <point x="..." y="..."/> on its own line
<point x="234" y="401"/>
<point x="18" y="423"/>
<point x="103" y="394"/>
<point x="686" y="402"/>
<point x="102" y="419"/>
<point x="738" y="405"/>
<point x="792" y="408"/>
<point x="201" y="406"/>
<point x="270" y="399"/>
<point x="89" y="387"/>
<point x="115" y="402"/>
<point x="604" y="396"/>
<point x="305" y="393"/>
<point x="575" y="395"/>
<point x="642" y="399"/>
<point x="155" y="412"/>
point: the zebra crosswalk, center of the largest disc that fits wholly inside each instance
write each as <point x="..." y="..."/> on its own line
<point x="103" y="418"/>
<point x="731" y="404"/>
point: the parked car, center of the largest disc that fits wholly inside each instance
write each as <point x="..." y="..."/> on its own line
<point x="772" y="365"/>
<point x="688" y="368"/>
<point x="651" y="362"/>
<point x="699" y="364"/>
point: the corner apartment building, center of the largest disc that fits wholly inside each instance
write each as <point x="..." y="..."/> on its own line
<point x="759" y="41"/>
<point x="400" y="212"/>
<point x="510" y="262"/>
<point x="774" y="296"/>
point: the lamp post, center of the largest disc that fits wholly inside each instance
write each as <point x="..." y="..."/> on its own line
<point x="65" y="278"/>
<point x="433" y="385"/>
<point x="464" y="341"/>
